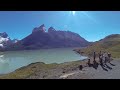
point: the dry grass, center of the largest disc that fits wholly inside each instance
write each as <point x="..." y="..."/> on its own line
<point x="27" y="71"/>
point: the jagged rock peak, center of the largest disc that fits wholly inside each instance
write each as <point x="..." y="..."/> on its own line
<point x="4" y="35"/>
<point x="51" y="29"/>
<point x="41" y="28"/>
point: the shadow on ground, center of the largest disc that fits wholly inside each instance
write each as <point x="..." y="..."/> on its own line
<point x="104" y="66"/>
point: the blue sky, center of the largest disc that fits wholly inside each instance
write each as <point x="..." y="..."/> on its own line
<point x="91" y="25"/>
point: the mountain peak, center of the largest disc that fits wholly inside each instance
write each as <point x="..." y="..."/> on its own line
<point x="41" y="28"/>
<point x="4" y="35"/>
<point x="51" y="39"/>
<point x="51" y="29"/>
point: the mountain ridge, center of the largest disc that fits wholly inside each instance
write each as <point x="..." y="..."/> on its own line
<point x="40" y="38"/>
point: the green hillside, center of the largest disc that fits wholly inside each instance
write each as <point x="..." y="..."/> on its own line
<point x="110" y="44"/>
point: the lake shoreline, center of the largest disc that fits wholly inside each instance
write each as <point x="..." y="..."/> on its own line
<point x="12" y="60"/>
<point x="30" y="70"/>
<point x="67" y="70"/>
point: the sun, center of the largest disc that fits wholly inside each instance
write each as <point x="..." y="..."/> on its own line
<point x="73" y="12"/>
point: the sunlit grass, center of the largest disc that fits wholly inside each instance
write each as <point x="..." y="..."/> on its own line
<point x="110" y="46"/>
<point x="29" y="70"/>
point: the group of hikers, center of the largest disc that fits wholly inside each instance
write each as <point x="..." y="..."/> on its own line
<point x="100" y="58"/>
<point x="103" y="57"/>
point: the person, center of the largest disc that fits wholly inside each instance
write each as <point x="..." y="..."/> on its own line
<point x="109" y="57"/>
<point x="80" y="67"/>
<point x="99" y="55"/>
<point x="88" y="62"/>
<point x="94" y="56"/>
<point x="105" y="56"/>
<point x="101" y="58"/>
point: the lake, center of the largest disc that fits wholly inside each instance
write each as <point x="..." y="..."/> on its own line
<point x="12" y="60"/>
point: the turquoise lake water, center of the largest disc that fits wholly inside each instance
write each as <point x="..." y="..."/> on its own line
<point x="12" y="60"/>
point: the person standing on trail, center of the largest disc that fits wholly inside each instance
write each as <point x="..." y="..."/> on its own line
<point x="94" y="56"/>
<point x="99" y="55"/>
<point x="109" y="57"/>
<point x="88" y="63"/>
<point x="105" y="56"/>
<point x="101" y="58"/>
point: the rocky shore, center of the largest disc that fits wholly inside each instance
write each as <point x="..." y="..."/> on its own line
<point x="67" y="70"/>
<point x="41" y="70"/>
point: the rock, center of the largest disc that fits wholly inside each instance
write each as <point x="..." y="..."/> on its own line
<point x="41" y="28"/>
<point x="35" y="30"/>
<point x="51" y="30"/>
<point x="80" y="67"/>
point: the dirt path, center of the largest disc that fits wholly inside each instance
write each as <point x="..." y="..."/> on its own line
<point x="108" y="72"/>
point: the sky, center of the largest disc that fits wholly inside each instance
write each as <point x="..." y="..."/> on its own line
<point x="91" y="25"/>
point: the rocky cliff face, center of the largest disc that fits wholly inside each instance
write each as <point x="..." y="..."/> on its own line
<point x="66" y="38"/>
<point x="39" y="38"/>
<point x="38" y="29"/>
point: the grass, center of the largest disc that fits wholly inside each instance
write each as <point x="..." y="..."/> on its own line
<point x="111" y="45"/>
<point x="27" y="71"/>
<point x="19" y="74"/>
<point x="41" y="69"/>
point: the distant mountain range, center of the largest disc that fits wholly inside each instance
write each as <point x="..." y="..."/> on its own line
<point x="40" y="38"/>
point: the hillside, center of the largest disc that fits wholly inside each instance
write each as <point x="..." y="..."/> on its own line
<point x="110" y="43"/>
